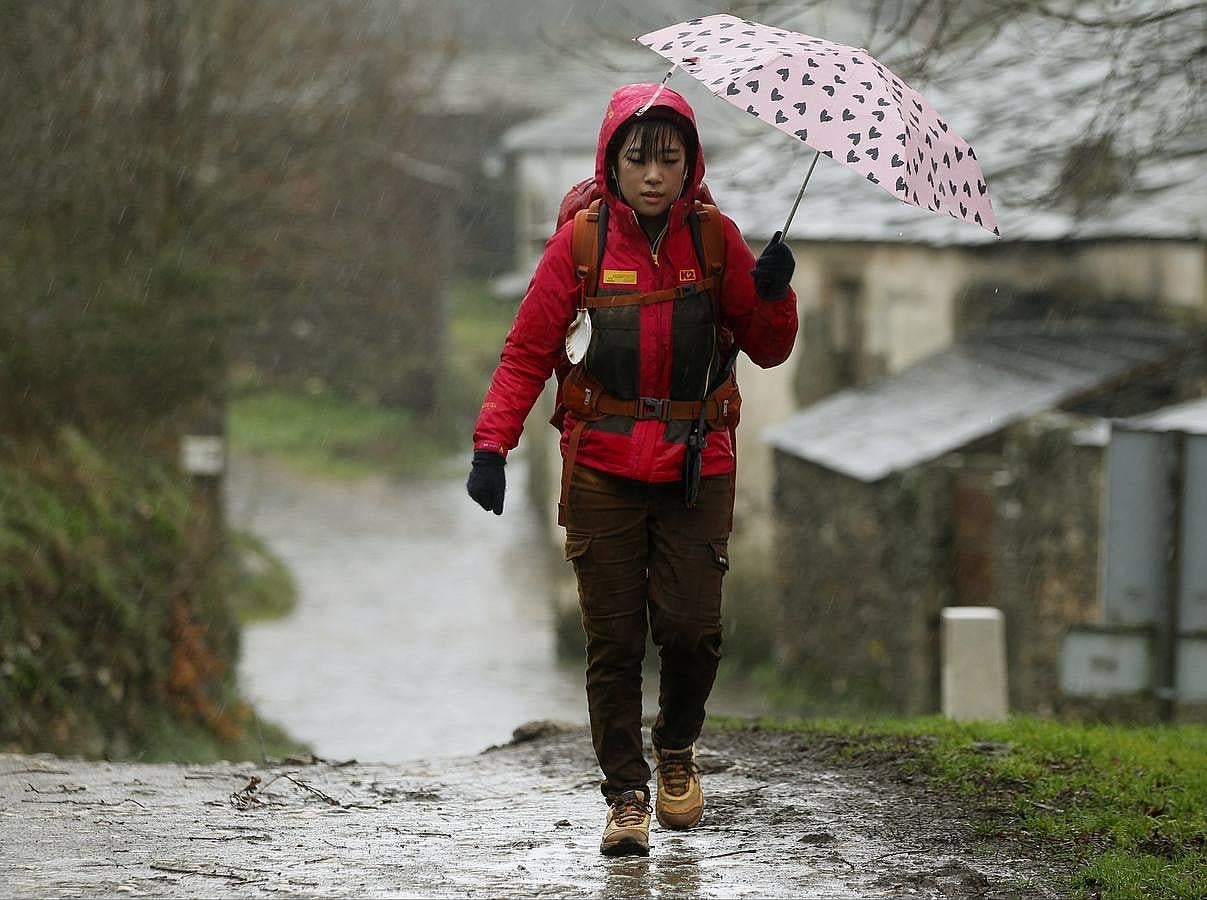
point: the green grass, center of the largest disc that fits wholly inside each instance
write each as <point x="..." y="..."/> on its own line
<point x="261" y="586"/>
<point x="1128" y="805"/>
<point x="330" y="436"/>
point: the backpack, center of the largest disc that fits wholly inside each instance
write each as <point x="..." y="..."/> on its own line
<point x="720" y="409"/>
<point x="587" y="247"/>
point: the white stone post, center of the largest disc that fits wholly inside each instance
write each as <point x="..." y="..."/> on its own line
<point x="974" y="663"/>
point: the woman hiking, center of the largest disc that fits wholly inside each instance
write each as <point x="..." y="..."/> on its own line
<point x="670" y="289"/>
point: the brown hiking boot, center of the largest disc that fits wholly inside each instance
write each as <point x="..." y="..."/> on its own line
<point x="680" y="798"/>
<point x="628" y="828"/>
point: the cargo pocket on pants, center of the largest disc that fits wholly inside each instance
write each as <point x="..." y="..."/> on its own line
<point x="720" y="555"/>
<point x="576" y="547"/>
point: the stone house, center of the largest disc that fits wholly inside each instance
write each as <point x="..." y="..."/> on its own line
<point x="970" y="478"/>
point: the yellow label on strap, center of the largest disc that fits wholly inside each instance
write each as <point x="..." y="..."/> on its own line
<point x="619" y="276"/>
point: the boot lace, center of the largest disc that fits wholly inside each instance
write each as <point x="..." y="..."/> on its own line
<point x="629" y="809"/>
<point x="677" y="771"/>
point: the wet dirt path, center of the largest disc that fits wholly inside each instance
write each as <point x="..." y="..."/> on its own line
<point x="424" y="625"/>
<point x="522" y="820"/>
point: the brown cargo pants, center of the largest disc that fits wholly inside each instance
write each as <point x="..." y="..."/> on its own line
<point x="638" y="551"/>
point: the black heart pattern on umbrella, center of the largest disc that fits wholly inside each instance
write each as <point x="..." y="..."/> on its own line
<point x="920" y="160"/>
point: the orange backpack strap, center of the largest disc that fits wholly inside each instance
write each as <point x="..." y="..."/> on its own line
<point x="586" y="245"/>
<point x="612" y="301"/>
<point x="712" y="237"/>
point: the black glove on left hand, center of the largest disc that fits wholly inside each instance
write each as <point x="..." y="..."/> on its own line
<point x="773" y="270"/>
<point x="487" y="482"/>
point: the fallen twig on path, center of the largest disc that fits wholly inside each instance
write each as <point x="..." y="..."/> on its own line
<point x="34" y="772"/>
<point x="308" y="787"/>
<point x="731" y="853"/>
<point x="755" y="789"/>
<point x="228" y="837"/>
<point x="210" y="874"/>
<point x="86" y="802"/>
<point x="63" y="789"/>
<point x="901" y="852"/>
<point x="245" y="797"/>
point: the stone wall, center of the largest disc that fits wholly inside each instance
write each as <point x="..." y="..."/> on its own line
<point x="859" y="603"/>
<point x="1046" y="505"/>
<point x="868" y="567"/>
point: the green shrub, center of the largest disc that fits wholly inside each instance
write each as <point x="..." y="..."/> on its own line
<point x="116" y="638"/>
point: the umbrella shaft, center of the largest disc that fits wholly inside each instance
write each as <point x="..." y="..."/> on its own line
<point x="801" y="193"/>
<point x="665" y="78"/>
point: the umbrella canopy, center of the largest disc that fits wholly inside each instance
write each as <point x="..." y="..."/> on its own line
<point x="839" y="100"/>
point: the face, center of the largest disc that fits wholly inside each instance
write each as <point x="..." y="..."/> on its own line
<point x="650" y="181"/>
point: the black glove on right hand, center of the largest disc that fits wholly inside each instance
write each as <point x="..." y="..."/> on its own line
<point x="487" y="482"/>
<point x="773" y="270"/>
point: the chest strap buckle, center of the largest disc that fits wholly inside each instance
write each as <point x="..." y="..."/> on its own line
<point x="653" y="408"/>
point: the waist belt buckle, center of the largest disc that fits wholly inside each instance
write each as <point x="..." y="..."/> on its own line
<point x="654" y="408"/>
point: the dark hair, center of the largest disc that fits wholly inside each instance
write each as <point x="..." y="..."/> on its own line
<point x="652" y="133"/>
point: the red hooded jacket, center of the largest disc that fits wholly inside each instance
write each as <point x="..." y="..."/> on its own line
<point x="764" y="329"/>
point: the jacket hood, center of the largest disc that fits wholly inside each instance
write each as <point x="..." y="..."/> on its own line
<point x="621" y="108"/>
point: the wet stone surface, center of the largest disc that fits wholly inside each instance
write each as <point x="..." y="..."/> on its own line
<point x="520" y="820"/>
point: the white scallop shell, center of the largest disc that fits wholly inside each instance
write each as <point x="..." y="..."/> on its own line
<point x="578" y="337"/>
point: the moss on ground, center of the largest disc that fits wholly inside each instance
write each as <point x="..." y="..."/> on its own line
<point x="1126" y="805"/>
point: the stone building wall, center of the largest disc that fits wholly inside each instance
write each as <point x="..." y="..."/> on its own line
<point x="868" y="567"/>
<point x="858" y="618"/>
<point x="1047" y="508"/>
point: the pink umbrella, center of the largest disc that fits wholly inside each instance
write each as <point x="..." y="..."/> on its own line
<point x="840" y="101"/>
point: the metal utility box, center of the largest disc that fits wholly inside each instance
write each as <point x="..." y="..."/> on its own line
<point x="1098" y="663"/>
<point x="1138" y="508"/>
<point x="1152" y="637"/>
<point x="1192" y="670"/>
<point x="1192" y="589"/>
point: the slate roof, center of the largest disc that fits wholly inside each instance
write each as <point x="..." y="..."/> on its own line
<point x="1022" y="100"/>
<point x="974" y="388"/>
<point x="1190" y="417"/>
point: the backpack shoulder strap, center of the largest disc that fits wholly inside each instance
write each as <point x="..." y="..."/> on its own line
<point x="712" y="237"/>
<point x="587" y="244"/>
